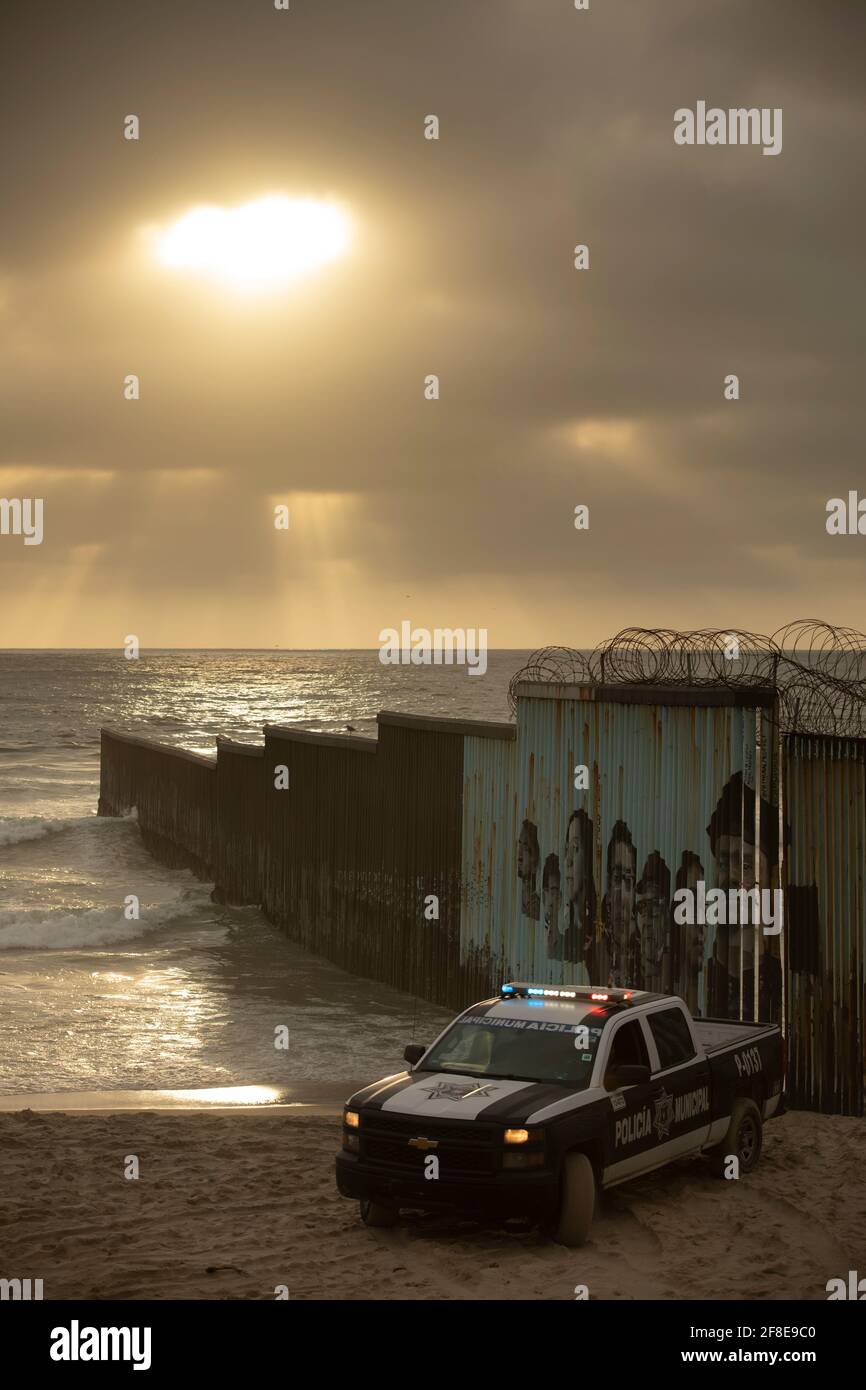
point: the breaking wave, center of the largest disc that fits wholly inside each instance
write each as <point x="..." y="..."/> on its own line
<point x="59" y="929"/>
<point x="17" y="830"/>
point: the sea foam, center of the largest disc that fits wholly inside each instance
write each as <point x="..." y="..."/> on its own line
<point x="59" y="929"/>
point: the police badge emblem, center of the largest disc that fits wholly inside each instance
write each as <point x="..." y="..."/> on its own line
<point x="458" y="1090"/>
<point x="664" y="1116"/>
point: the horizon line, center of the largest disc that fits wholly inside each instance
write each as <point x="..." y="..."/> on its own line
<point x="119" y="650"/>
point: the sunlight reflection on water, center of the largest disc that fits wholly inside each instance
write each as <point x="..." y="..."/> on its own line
<point x="190" y="995"/>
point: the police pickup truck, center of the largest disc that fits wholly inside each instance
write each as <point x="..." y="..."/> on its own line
<point x="528" y="1104"/>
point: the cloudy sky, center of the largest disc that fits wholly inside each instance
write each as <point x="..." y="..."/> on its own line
<point x="558" y="387"/>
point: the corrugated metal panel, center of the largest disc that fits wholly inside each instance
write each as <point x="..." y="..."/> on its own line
<point x="826" y="800"/>
<point x="240" y="839"/>
<point x="173" y="791"/>
<point x="365" y="835"/>
<point x="567" y="884"/>
<point x="490" y="827"/>
<point x="311" y="835"/>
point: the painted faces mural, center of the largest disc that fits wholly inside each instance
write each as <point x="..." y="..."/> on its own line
<point x="666" y="802"/>
<point x="551" y="894"/>
<point x="620" y="947"/>
<point x="652" y="912"/>
<point x="688" y="939"/>
<point x="580" y="889"/>
<point x="745" y="857"/>
<point x="633" y="938"/>
<point x="528" y="857"/>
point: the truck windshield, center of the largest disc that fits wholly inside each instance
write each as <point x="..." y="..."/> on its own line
<point x="517" y="1050"/>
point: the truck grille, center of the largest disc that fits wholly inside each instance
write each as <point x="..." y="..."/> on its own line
<point x="465" y="1149"/>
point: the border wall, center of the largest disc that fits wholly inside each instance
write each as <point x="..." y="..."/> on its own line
<point x="174" y="793"/>
<point x="535" y="876"/>
<point x="826" y="802"/>
<point x="621" y="796"/>
<point x="346" y="859"/>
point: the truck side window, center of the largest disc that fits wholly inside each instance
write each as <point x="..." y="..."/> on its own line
<point x="672" y="1037"/>
<point x="628" y="1048"/>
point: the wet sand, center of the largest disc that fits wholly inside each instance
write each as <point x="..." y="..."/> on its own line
<point x="326" y="1098"/>
<point x="234" y="1205"/>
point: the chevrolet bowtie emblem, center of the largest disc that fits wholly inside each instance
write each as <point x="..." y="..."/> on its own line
<point x="422" y="1143"/>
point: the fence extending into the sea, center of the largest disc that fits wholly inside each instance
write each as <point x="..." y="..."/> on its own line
<point x="444" y="856"/>
<point x="352" y="845"/>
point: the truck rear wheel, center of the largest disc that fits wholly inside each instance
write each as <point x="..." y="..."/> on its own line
<point x="576" y="1202"/>
<point x="372" y="1214"/>
<point x="742" y="1141"/>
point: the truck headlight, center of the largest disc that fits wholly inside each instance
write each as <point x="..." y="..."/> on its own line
<point x="351" y="1138"/>
<point x="517" y="1155"/>
<point x="522" y="1136"/>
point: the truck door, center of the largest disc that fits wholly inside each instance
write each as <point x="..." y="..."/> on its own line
<point x="629" y="1139"/>
<point x="680" y="1093"/>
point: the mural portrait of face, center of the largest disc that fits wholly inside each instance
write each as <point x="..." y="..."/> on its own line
<point x="618" y="909"/>
<point x="578" y="859"/>
<point x="621" y="876"/>
<point x="739" y="864"/>
<point x="652" y="911"/>
<point x="528" y="856"/>
<point x="740" y="861"/>
<point x="580" y="889"/>
<point x="551" y="894"/>
<point x="527" y="851"/>
<point x="689" y="874"/>
<point x="746" y="856"/>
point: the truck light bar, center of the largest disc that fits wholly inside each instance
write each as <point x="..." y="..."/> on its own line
<point x="596" y="994"/>
<point x="523" y="991"/>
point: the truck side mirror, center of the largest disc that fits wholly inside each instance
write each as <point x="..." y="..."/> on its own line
<point x="413" y="1053"/>
<point x="626" y="1076"/>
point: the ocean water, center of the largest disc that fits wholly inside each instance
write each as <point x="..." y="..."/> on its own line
<point x="188" y="996"/>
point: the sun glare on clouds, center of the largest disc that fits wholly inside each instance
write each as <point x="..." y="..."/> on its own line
<point x="259" y="245"/>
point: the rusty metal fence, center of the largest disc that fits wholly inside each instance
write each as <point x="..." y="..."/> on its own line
<point x="444" y="855"/>
<point x="826" y="803"/>
<point x="615" y="798"/>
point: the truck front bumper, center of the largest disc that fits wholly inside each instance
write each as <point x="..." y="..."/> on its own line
<point x="500" y="1195"/>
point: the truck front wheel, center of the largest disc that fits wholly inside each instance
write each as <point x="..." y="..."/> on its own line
<point x="372" y="1214"/>
<point x="576" y="1201"/>
<point x="742" y="1141"/>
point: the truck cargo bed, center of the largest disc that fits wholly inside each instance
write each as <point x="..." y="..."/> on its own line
<point x="718" y="1033"/>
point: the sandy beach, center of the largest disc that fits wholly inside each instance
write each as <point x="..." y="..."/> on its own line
<point x="231" y="1205"/>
